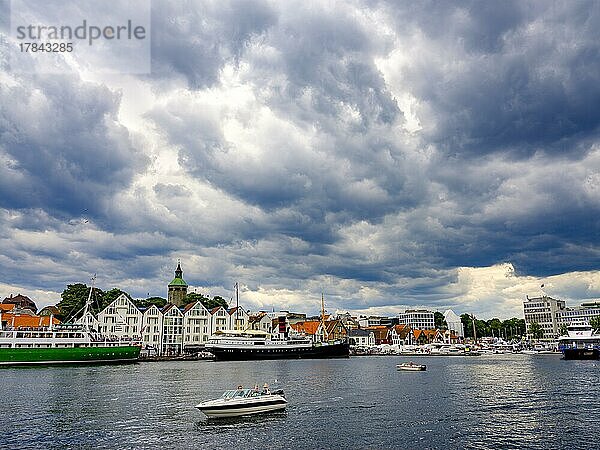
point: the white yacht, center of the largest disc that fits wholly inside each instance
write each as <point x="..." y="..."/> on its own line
<point x="241" y="402"/>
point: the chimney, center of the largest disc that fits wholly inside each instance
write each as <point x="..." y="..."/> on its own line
<point x="282" y="327"/>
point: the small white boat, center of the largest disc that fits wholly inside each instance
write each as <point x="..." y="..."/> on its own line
<point x="411" y="366"/>
<point x="529" y="352"/>
<point x="241" y="402"/>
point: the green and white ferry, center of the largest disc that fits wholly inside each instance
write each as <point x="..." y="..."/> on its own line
<point x="64" y="344"/>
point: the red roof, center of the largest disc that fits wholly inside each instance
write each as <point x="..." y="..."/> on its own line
<point x="402" y="330"/>
<point x="190" y="306"/>
<point x="256" y="318"/>
<point x="430" y="333"/>
<point x="27" y="321"/>
<point x="380" y="331"/>
<point x="309" y="327"/>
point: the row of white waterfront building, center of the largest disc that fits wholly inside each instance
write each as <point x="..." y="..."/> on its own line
<point x="174" y="330"/>
<point x="171" y="330"/>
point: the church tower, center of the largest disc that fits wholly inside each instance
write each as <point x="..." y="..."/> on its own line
<point x="177" y="287"/>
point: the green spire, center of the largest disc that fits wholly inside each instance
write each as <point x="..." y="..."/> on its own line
<point x="178" y="280"/>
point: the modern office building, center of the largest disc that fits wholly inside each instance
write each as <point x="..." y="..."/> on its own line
<point x="543" y="311"/>
<point x="417" y="319"/>
<point x="579" y="314"/>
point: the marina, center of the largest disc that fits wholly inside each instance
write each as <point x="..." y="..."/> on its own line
<point x="448" y="406"/>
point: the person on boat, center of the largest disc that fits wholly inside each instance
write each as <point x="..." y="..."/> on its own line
<point x="240" y="387"/>
<point x="265" y="390"/>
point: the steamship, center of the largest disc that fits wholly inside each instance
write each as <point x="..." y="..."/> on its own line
<point x="228" y="345"/>
<point x="237" y="345"/>
<point x="63" y="344"/>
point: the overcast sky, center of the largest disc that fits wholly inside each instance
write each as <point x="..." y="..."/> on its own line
<point x="388" y="154"/>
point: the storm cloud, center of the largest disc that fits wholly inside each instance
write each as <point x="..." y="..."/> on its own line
<point x="387" y="153"/>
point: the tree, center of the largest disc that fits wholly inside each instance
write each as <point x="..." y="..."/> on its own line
<point x="495" y="327"/>
<point x="194" y="297"/>
<point x="520" y="323"/>
<point x="562" y="330"/>
<point x="482" y="328"/>
<point x="73" y="300"/>
<point x="536" y="330"/>
<point x="467" y="322"/>
<point x="513" y="327"/>
<point x="217" y="300"/>
<point x="209" y="303"/>
<point x="595" y="322"/>
<point x="147" y="302"/>
<point x="440" y="321"/>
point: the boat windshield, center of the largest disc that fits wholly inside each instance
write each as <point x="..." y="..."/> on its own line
<point x="236" y="393"/>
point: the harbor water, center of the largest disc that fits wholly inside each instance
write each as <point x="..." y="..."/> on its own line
<point x="491" y="401"/>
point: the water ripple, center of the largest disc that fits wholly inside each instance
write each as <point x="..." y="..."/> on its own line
<point x="506" y="401"/>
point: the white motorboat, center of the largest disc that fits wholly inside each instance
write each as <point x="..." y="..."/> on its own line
<point x="241" y="402"/>
<point x="411" y="366"/>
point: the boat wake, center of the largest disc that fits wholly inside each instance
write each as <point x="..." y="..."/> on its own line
<point x="326" y="400"/>
<point x="249" y="421"/>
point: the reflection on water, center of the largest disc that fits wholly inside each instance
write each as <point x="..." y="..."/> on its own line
<point x="507" y="401"/>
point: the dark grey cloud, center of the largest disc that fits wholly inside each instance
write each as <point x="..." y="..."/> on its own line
<point x="195" y="39"/>
<point x="503" y="98"/>
<point x="63" y="147"/>
<point x="516" y="77"/>
<point x="295" y="163"/>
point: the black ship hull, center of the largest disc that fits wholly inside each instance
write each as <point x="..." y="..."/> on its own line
<point x="246" y="353"/>
<point x="581" y="353"/>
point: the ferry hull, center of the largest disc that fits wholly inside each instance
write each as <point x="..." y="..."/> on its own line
<point x="68" y="355"/>
<point x="225" y="353"/>
<point x="581" y="353"/>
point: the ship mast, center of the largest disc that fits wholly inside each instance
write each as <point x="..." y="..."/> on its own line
<point x="85" y="319"/>
<point x="325" y="334"/>
<point x="237" y="305"/>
